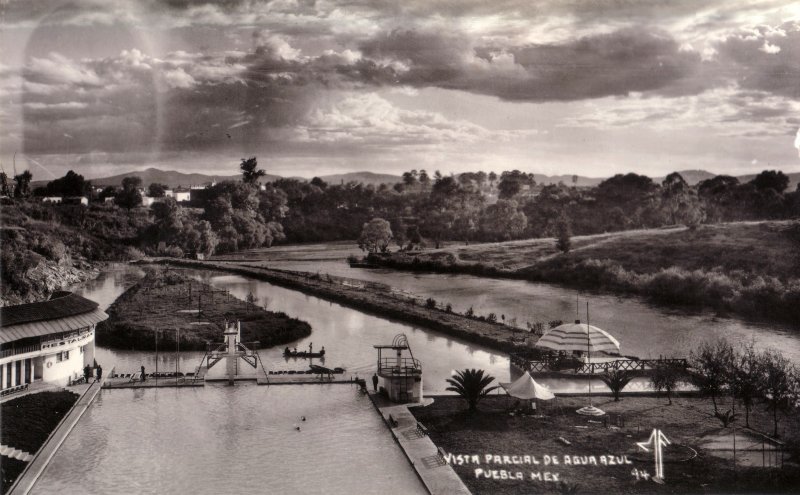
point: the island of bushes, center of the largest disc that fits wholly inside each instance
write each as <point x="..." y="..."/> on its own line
<point x="166" y="305"/>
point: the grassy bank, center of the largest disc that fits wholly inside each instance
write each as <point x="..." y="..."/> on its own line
<point x="26" y="423"/>
<point x="374" y="301"/>
<point x="687" y="423"/>
<point x="748" y="269"/>
<point x="166" y="300"/>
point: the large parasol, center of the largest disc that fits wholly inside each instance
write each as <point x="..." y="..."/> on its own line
<point x="578" y="337"/>
<point x="581" y="337"/>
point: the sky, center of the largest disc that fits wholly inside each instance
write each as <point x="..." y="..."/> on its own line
<point x="310" y="87"/>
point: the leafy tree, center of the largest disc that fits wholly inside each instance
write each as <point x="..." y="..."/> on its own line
<point x="511" y="183"/>
<point x="779" y="384"/>
<point x="375" y="236"/>
<point x="129" y="197"/>
<point x="771" y="179"/>
<point x="472" y="385"/>
<point x="746" y="378"/>
<point x="666" y="377"/>
<point x="563" y="233"/>
<point x="22" y="188"/>
<point x="680" y="201"/>
<point x="316" y="181"/>
<point x="414" y="237"/>
<point x="250" y="171"/>
<point x="492" y="178"/>
<point x="423" y="178"/>
<point x="625" y="189"/>
<point x="156" y="190"/>
<point x="410" y="178"/>
<point x="616" y="380"/>
<point x="71" y="184"/>
<point x="712" y="365"/>
<point x="503" y="221"/>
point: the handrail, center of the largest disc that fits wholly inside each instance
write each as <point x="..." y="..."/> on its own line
<point x="592" y="368"/>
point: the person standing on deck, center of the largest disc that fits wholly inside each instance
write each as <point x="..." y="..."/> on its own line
<point x="87" y="373"/>
<point x="99" y="373"/>
<point x="310" y="347"/>
<point x="142" y="372"/>
<point x="375" y="381"/>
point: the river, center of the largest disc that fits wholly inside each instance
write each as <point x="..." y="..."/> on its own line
<point x="643" y="329"/>
<point x="349" y="334"/>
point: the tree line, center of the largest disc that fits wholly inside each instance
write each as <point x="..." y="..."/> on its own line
<point x="424" y="210"/>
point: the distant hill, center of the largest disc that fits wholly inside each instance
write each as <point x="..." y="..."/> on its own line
<point x="567" y="180"/>
<point x="168" y="177"/>
<point x="173" y="178"/>
<point x="363" y="177"/>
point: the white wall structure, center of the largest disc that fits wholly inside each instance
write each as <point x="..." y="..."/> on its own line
<point x="50" y="341"/>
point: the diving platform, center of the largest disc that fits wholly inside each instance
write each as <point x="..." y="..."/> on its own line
<point x="400" y="377"/>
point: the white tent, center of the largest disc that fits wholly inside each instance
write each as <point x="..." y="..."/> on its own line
<point x="525" y="387"/>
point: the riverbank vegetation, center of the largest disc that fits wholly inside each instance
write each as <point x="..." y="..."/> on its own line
<point x="747" y="268"/>
<point x="26" y="423"/>
<point x="167" y="303"/>
<point x="558" y="431"/>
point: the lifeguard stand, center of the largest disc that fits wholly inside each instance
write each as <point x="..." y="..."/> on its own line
<point x="399" y="375"/>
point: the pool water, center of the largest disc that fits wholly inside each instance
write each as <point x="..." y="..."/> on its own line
<point x="242" y="439"/>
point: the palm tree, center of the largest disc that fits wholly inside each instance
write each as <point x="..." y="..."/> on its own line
<point x="616" y="380"/>
<point x="472" y="385"/>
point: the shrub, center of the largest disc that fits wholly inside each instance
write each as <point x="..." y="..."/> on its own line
<point x="448" y="308"/>
<point x="430" y="303"/>
<point x="470" y="313"/>
<point x="492" y="318"/>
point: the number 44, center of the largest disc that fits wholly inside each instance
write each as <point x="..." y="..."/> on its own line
<point x="640" y="475"/>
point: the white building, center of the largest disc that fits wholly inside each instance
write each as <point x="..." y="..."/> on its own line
<point x="49" y="341"/>
<point x="182" y="195"/>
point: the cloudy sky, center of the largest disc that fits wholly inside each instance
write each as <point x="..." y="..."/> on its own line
<point x="318" y="87"/>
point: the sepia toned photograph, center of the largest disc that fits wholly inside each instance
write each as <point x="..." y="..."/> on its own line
<point x="371" y="247"/>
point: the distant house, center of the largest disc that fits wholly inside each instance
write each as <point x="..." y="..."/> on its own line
<point x="169" y="193"/>
<point x="49" y="341"/>
<point x="182" y="195"/>
<point x="148" y="201"/>
<point x="67" y="200"/>
<point x="76" y="200"/>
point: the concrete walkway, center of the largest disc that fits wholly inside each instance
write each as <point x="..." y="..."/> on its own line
<point x="437" y="476"/>
<point x="42" y="458"/>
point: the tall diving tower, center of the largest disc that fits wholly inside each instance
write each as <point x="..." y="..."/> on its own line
<point x="399" y="375"/>
<point x="233" y="349"/>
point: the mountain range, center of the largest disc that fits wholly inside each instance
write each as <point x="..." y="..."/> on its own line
<point x="173" y="178"/>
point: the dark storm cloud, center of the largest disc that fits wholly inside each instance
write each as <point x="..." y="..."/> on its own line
<point x="617" y="63"/>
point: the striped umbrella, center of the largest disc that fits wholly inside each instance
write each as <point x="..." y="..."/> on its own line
<point x="573" y="337"/>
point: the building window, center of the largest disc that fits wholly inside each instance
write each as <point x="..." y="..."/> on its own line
<point x="62" y="356"/>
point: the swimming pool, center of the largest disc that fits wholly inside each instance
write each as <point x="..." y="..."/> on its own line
<point x="220" y="439"/>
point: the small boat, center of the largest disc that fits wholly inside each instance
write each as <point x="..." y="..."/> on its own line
<point x="303" y="354"/>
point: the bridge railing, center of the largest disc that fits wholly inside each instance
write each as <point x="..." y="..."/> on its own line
<point x="569" y="365"/>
